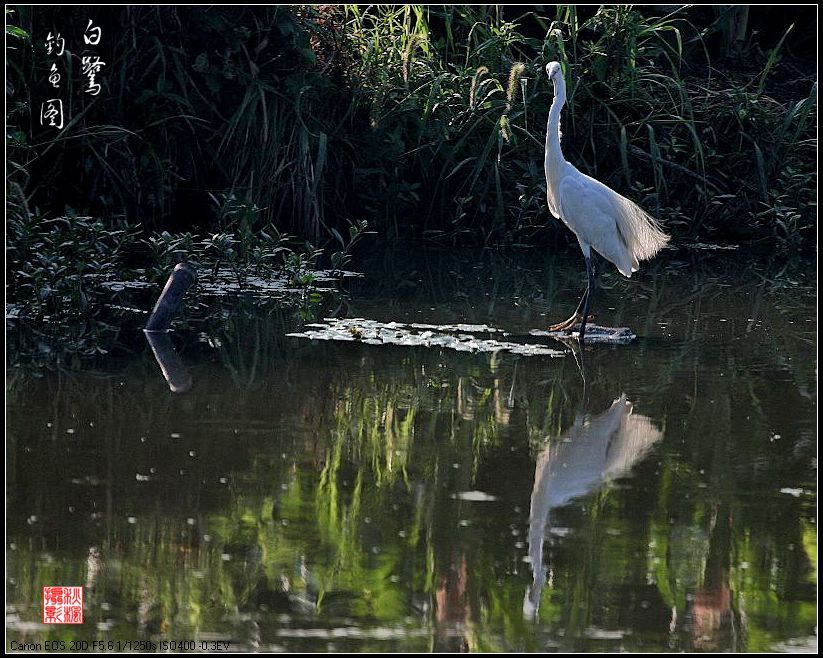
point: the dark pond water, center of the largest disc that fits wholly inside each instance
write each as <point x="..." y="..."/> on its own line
<point x="317" y="495"/>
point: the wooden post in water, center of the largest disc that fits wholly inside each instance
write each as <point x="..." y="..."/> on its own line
<point x="179" y="282"/>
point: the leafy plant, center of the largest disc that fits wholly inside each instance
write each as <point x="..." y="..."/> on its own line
<point x="424" y="120"/>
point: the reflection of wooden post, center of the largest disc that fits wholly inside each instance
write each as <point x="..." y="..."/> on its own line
<point x="176" y="374"/>
<point x="179" y="281"/>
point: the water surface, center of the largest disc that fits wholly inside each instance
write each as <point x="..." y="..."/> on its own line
<point x="323" y="495"/>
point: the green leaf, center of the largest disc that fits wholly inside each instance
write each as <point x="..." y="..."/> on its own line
<point x="15" y="31"/>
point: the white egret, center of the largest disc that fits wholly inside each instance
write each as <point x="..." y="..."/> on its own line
<point x="617" y="228"/>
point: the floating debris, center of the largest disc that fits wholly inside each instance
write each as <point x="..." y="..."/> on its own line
<point x="128" y="309"/>
<point x="451" y="337"/>
<point x="212" y="341"/>
<point x="711" y="247"/>
<point x="117" y="286"/>
<point x="797" y="645"/>
<point x="468" y="328"/>
<point x="225" y="282"/>
<point x="594" y="633"/>
<point x="474" y="496"/>
<point x="595" y="333"/>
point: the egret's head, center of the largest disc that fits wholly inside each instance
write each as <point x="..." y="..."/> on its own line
<point x="554" y="71"/>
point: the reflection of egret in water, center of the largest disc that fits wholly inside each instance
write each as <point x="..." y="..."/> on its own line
<point x="595" y="450"/>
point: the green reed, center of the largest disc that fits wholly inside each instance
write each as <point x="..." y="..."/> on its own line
<point x="427" y="120"/>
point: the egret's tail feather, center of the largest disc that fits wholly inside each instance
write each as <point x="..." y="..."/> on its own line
<point x="641" y="233"/>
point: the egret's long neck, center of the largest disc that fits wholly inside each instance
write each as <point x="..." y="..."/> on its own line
<point x="553" y="152"/>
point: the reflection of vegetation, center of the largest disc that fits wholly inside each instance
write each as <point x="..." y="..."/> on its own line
<point x="312" y="487"/>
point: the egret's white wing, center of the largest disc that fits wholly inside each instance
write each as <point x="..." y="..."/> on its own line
<point x="586" y="208"/>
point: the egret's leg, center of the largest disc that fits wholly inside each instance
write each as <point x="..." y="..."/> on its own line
<point x="571" y="323"/>
<point x="588" y="298"/>
<point x="575" y="318"/>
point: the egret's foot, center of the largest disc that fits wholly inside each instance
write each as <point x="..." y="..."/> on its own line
<point x="566" y="324"/>
<point x="571" y="323"/>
